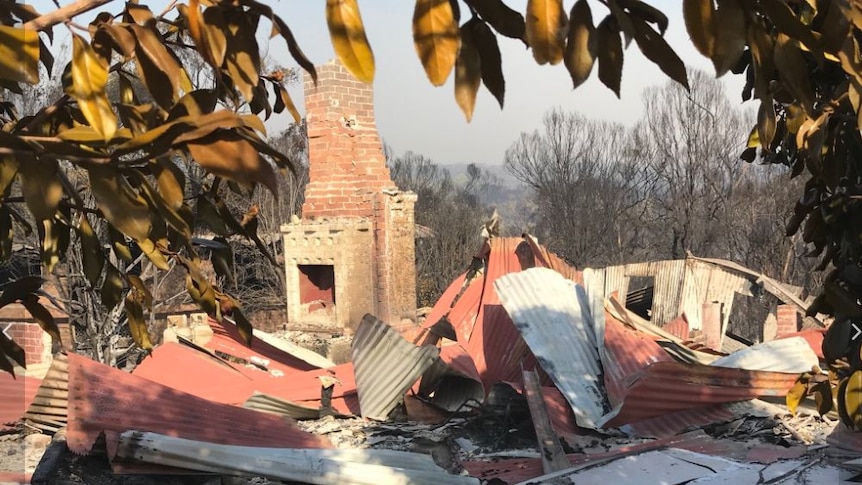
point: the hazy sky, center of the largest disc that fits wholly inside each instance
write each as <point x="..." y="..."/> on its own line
<point x="414" y="115"/>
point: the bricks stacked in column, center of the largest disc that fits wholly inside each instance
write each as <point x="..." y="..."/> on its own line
<point x="346" y="162"/>
<point x="29" y="337"/>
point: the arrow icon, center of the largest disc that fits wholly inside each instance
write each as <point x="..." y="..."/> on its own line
<point x="6" y="331"/>
<point x="858" y="331"/>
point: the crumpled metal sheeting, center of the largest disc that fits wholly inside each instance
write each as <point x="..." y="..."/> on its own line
<point x="386" y="366"/>
<point x="547" y="259"/>
<point x="627" y="352"/>
<point x="282" y="407"/>
<point x="552" y="315"/>
<point x="444" y="304"/>
<point x="322" y="467"/>
<point x="783" y="355"/>
<point x="107" y="400"/>
<point x="671" y="424"/>
<point x="665" y="387"/>
<point x="452" y="381"/>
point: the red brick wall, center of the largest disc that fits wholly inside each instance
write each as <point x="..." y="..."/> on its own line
<point x="29" y="337"/>
<point x="346" y="162"/>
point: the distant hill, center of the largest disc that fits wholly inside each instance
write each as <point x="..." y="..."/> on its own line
<point x="511" y="198"/>
<point x="459" y="173"/>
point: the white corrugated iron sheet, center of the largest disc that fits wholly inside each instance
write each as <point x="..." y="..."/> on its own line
<point x="792" y="355"/>
<point x="386" y="366"/>
<point x="553" y="315"/>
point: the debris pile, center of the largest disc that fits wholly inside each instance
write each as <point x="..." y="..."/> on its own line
<point x="651" y="384"/>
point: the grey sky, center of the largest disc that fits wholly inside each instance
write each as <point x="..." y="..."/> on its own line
<point x="414" y="115"/>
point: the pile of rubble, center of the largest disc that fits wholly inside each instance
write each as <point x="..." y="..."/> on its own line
<point x="526" y="371"/>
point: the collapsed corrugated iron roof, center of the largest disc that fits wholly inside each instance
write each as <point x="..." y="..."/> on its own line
<point x="479" y="322"/>
<point x="214" y="379"/>
<point x="553" y="316"/>
<point x="107" y="400"/>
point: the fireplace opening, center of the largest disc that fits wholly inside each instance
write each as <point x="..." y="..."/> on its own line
<point x="317" y="285"/>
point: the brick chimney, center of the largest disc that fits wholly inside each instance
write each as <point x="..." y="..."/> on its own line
<point x="353" y="251"/>
<point x="346" y="162"/>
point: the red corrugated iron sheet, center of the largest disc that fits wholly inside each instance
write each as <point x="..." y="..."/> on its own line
<point x="666" y="387"/>
<point x="197" y="373"/>
<point x="627" y="352"/>
<point x="444" y="303"/>
<point x="17" y="394"/>
<point x="226" y="339"/>
<point x="189" y="370"/>
<point x="482" y="326"/>
<point x="661" y="397"/>
<point x="672" y="424"/>
<point x="304" y="388"/>
<point x="678" y="327"/>
<point x="104" y="399"/>
<point x="547" y="259"/>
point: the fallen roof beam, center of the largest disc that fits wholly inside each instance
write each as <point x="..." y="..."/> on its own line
<point x="553" y="457"/>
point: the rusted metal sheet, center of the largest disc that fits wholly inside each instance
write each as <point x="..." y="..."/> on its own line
<point x="678" y="327"/>
<point x="655" y="395"/>
<point x="627" y="352"/>
<point x="553" y="316"/>
<point x="666" y="387"/>
<point x="673" y="423"/>
<point x="48" y="409"/>
<point x="547" y="259"/>
<point x="482" y="326"/>
<point x="18" y="393"/>
<point x="444" y="304"/>
<point x="201" y="374"/>
<point x="107" y="400"/>
<point x="783" y="355"/>
<point x="386" y="366"/>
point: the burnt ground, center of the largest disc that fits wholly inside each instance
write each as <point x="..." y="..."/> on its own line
<point x="494" y="432"/>
<point x="501" y="428"/>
